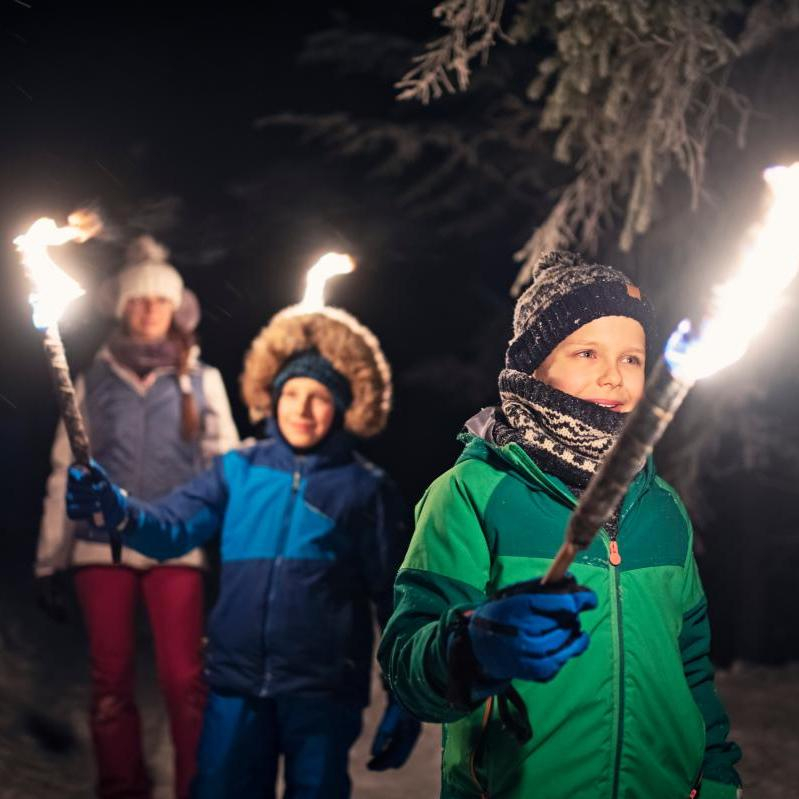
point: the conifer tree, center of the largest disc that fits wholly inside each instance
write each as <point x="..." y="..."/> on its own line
<point x="628" y="89"/>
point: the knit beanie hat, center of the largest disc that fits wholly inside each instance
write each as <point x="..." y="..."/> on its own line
<point x="311" y="364"/>
<point x="567" y="293"/>
<point x="148" y="274"/>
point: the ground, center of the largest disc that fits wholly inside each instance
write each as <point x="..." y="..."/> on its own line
<point x="45" y="751"/>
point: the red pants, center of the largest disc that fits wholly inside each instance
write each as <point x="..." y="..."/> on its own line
<point x="173" y="596"/>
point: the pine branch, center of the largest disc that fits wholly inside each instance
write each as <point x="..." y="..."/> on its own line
<point x="767" y="19"/>
<point x="473" y="27"/>
<point x="633" y="91"/>
<point x="452" y="158"/>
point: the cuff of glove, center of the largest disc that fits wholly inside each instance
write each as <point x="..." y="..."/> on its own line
<point x="130" y="519"/>
<point x="719" y="790"/>
<point x="467" y="685"/>
<point x="122" y="525"/>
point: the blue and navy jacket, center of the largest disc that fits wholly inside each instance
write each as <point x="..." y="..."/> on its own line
<point x="308" y="542"/>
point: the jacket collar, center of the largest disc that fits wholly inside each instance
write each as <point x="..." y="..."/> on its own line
<point x="477" y="436"/>
<point x="142" y="384"/>
<point x="335" y="449"/>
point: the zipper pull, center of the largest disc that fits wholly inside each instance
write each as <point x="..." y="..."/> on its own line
<point x="295" y="480"/>
<point x="615" y="557"/>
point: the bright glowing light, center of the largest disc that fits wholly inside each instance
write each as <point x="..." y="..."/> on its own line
<point x="53" y="289"/>
<point x="741" y="307"/>
<point x="329" y="265"/>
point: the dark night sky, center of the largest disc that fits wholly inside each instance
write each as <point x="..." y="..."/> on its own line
<point x="148" y="112"/>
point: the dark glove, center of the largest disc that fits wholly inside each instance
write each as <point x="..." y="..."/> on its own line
<point x="529" y="630"/>
<point x="91" y="492"/>
<point x="395" y="738"/>
<point x="51" y="595"/>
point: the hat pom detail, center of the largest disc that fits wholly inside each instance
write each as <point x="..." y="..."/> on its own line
<point x="145" y="249"/>
<point x="559" y="259"/>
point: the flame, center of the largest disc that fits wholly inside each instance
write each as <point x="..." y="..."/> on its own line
<point x="53" y="289"/>
<point x="329" y="265"/>
<point x="741" y="307"/>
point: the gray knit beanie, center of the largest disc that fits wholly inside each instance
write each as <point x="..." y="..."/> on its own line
<point x="567" y="293"/>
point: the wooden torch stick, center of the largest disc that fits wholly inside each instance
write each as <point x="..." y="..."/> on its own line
<point x="73" y="420"/>
<point x="663" y="395"/>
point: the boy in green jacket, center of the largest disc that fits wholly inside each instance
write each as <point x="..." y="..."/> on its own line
<point x="529" y="708"/>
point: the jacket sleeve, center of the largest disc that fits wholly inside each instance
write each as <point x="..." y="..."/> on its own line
<point x="56" y="531"/>
<point x="383" y="542"/>
<point x="187" y="517"/>
<point x="219" y="430"/>
<point x="445" y="572"/>
<point x="720" y="779"/>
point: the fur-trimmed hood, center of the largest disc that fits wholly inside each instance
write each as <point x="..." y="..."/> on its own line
<point x="351" y="347"/>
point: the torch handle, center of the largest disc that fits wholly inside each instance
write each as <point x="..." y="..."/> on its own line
<point x="560" y="565"/>
<point x="65" y="394"/>
<point x="644" y="427"/>
<point x="73" y="420"/>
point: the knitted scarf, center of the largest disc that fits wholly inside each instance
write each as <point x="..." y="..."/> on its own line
<point x="142" y="357"/>
<point x="566" y="436"/>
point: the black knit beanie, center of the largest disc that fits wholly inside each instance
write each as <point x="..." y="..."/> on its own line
<point x="310" y="363"/>
<point x="567" y="293"/>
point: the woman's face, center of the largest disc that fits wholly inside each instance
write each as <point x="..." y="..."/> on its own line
<point x="148" y="318"/>
<point x="305" y="412"/>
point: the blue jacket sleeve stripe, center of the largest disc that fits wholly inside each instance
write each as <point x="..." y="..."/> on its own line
<point x="183" y="519"/>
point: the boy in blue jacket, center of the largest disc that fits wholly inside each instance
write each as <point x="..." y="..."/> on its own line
<point x="311" y="535"/>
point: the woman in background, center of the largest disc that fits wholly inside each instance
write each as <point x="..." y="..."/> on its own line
<point x="156" y="415"/>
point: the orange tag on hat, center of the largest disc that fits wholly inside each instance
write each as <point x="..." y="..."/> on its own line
<point x="634" y="291"/>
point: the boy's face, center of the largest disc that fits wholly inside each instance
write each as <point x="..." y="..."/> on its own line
<point x="305" y="412"/>
<point x="602" y="362"/>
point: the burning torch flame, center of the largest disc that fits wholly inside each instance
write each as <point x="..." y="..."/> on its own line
<point x="329" y="265"/>
<point x="53" y="289"/>
<point x="741" y="307"/>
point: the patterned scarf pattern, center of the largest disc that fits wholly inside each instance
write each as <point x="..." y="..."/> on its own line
<point x="566" y="436"/>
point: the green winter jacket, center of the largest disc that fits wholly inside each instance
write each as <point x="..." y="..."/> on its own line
<point x="637" y="715"/>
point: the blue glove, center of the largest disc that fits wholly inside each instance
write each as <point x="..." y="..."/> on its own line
<point x="91" y="492"/>
<point x="530" y="630"/>
<point x="395" y="738"/>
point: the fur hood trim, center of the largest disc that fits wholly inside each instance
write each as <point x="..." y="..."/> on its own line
<point x="338" y="336"/>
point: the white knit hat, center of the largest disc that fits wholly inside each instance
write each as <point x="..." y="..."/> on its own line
<point x="148" y="274"/>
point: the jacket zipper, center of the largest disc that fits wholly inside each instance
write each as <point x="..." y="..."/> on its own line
<point x="614" y="558"/>
<point x="489" y="706"/>
<point x="618" y="644"/>
<point x="696" y="785"/>
<point x="296" y="479"/>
